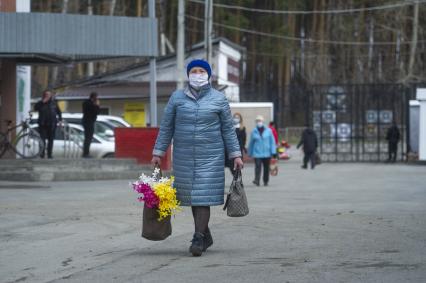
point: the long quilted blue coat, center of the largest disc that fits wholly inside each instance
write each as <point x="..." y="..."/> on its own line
<point x="201" y="129"/>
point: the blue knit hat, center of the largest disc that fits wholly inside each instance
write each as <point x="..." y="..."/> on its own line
<point x="199" y="63"/>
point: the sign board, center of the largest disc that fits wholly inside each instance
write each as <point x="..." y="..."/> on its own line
<point x="233" y="71"/>
<point x="134" y="113"/>
<point x="384" y="116"/>
<point x="23" y="92"/>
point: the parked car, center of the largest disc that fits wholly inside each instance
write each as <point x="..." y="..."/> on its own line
<point x="104" y="125"/>
<point x="73" y="146"/>
<point x="117" y="121"/>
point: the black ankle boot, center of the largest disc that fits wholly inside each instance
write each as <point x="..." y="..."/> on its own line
<point x="208" y="240"/>
<point x="197" y="246"/>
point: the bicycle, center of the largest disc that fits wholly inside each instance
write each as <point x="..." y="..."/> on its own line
<point x="26" y="144"/>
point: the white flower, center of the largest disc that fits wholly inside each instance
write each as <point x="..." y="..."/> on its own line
<point x="147" y="179"/>
<point x="163" y="180"/>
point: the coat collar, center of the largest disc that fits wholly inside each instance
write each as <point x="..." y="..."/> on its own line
<point x="264" y="130"/>
<point x="203" y="91"/>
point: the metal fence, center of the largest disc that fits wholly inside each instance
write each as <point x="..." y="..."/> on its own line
<point x="72" y="141"/>
<point x="351" y="121"/>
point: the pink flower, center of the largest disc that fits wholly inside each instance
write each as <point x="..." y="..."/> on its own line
<point x="149" y="197"/>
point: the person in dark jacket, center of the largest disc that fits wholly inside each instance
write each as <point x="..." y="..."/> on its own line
<point x="392" y="136"/>
<point x="49" y="114"/>
<point x="310" y="143"/>
<point x="240" y="131"/>
<point x="90" y="113"/>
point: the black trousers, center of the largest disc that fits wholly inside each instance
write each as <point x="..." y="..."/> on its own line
<point x="392" y="150"/>
<point x="310" y="155"/>
<point x="47" y="132"/>
<point x="89" y="130"/>
<point x="258" y="168"/>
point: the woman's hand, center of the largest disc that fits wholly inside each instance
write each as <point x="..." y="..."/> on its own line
<point x="238" y="163"/>
<point x="156" y="160"/>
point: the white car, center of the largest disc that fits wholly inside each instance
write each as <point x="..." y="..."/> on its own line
<point x="117" y="121"/>
<point x="104" y="125"/>
<point x="73" y="146"/>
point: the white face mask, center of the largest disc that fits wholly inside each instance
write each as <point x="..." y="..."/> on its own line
<point x="259" y="124"/>
<point x="198" y="80"/>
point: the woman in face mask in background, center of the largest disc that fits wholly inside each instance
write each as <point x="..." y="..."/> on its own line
<point x="261" y="147"/>
<point x="240" y="131"/>
<point x="198" y="120"/>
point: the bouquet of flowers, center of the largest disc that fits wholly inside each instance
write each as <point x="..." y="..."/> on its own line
<point x="157" y="192"/>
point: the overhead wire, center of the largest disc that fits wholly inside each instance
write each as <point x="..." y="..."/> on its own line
<point x="334" y="11"/>
<point x="308" y="40"/>
<point x="306" y="56"/>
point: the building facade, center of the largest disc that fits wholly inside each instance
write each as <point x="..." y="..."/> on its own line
<point x="126" y="92"/>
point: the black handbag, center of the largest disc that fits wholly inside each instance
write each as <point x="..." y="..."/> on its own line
<point x="152" y="228"/>
<point x="236" y="204"/>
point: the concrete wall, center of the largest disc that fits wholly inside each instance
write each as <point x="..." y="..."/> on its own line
<point x="7" y="92"/>
<point x="7" y="5"/>
<point x="7" y="81"/>
<point x="414" y="125"/>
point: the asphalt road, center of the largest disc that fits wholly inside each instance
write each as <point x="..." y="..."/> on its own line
<point x="337" y="223"/>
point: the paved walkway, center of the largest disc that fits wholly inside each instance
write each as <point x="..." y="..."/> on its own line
<point x="338" y="223"/>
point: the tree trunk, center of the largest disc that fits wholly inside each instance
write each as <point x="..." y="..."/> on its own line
<point x="413" y="41"/>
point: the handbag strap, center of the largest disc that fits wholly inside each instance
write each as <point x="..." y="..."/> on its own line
<point x="156" y="166"/>
<point x="237" y="174"/>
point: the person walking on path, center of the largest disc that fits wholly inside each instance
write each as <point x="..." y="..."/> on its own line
<point x="309" y="142"/>
<point x="240" y="131"/>
<point x="274" y="132"/>
<point x="199" y="121"/>
<point x="90" y="114"/>
<point x="393" y="137"/>
<point x="261" y="147"/>
<point x="49" y="114"/>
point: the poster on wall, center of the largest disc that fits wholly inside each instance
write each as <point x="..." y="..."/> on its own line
<point x="134" y="113"/>
<point x="23" y="92"/>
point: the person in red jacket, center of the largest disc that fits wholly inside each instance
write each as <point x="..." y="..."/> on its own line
<point x="274" y="131"/>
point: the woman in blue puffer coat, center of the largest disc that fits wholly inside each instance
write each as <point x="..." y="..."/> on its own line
<point x="262" y="147"/>
<point x="198" y="120"/>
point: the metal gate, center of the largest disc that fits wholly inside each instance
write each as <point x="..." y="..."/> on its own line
<point x="351" y="121"/>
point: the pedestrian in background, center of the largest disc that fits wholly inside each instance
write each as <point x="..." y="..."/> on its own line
<point x="274" y="132"/>
<point x="240" y="131"/>
<point x="49" y="114"/>
<point x="261" y="147"/>
<point x="198" y="120"/>
<point x="393" y="137"/>
<point x="309" y="142"/>
<point x="90" y="114"/>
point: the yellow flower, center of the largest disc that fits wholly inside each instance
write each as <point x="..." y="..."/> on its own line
<point x="167" y="195"/>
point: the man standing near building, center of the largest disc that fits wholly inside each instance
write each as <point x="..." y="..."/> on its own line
<point x="48" y="116"/>
<point x="392" y="136"/>
<point x="90" y="114"/>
